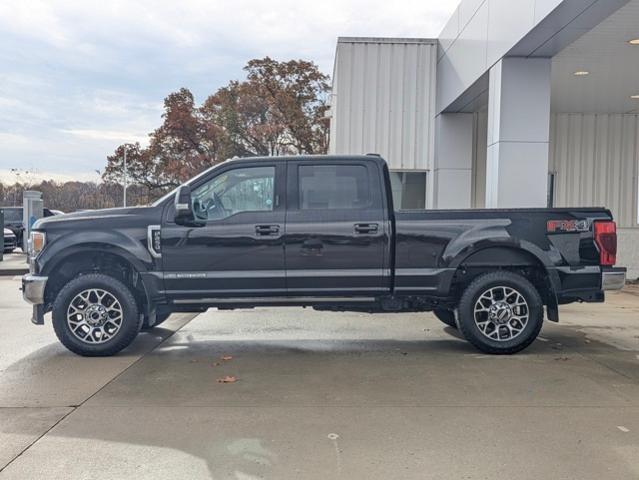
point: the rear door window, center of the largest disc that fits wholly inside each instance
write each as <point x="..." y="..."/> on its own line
<point x="334" y="187"/>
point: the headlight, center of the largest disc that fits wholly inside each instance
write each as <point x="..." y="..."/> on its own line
<point x="37" y="240"/>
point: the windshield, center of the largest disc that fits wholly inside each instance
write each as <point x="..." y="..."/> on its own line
<point x="172" y="192"/>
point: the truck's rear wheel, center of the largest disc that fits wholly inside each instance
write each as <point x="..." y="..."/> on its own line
<point x="95" y="315"/>
<point x="501" y="313"/>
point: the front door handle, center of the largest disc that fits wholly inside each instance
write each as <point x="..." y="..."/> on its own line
<point x="366" y="228"/>
<point x="267" y="230"/>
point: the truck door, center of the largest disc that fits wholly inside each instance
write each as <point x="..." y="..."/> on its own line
<point x="240" y="250"/>
<point x="337" y="229"/>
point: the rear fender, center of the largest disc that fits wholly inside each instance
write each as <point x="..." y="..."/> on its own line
<point x="513" y="252"/>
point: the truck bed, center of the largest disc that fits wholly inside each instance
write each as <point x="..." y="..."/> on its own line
<point x="432" y="245"/>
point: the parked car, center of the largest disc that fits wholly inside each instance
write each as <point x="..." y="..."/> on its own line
<point x="10" y="241"/>
<point x="318" y="232"/>
<point x="14" y="220"/>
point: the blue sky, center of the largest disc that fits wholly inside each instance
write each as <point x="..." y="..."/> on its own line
<point x="79" y="77"/>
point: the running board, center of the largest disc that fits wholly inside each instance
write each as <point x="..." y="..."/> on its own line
<point x="278" y="300"/>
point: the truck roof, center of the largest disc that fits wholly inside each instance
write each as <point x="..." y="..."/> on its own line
<point x="331" y="158"/>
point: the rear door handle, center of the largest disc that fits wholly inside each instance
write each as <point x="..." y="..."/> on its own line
<point x="366" y="228"/>
<point x="312" y="247"/>
<point x="267" y="230"/>
<point x="312" y="244"/>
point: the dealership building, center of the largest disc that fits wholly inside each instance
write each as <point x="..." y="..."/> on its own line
<point x="518" y="103"/>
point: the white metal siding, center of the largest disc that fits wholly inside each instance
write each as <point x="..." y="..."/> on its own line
<point x="480" y="146"/>
<point x="384" y="100"/>
<point x="595" y="160"/>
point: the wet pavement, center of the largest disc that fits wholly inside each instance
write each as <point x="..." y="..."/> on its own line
<point x="322" y="395"/>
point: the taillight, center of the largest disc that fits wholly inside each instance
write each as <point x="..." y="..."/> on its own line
<point x="606" y="240"/>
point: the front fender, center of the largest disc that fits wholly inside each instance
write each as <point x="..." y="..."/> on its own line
<point x="114" y="242"/>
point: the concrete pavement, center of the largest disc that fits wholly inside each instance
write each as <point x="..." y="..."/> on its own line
<point x="13" y="264"/>
<point x="323" y="395"/>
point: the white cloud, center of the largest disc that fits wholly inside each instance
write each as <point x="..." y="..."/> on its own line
<point x="36" y="18"/>
<point x="192" y="23"/>
<point x="124" y="137"/>
<point x="13" y="140"/>
<point x="31" y="177"/>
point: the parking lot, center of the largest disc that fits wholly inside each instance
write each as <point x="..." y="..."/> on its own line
<point x="321" y="395"/>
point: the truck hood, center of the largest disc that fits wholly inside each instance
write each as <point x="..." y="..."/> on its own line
<point x="98" y="219"/>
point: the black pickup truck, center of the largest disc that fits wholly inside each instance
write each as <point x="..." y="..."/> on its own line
<point x="318" y="232"/>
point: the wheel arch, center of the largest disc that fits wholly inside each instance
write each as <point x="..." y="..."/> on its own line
<point x="55" y="262"/>
<point x="97" y="258"/>
<point x="500" y="255"/>
<point x="527" y="260"/>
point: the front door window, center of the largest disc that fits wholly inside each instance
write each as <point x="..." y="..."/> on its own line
<point x="236" y="191"/>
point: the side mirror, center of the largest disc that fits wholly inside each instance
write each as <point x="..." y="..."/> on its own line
<point x="184" y="214"/>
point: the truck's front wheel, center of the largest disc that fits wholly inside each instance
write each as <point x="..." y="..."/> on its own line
<point x="501" y="313"/>
<point x="95" y="315"/>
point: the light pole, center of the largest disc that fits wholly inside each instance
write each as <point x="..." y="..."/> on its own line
<point x="125" y="177"/>
<point x="98" y="191"/>
<point x="17" y="172"/>
<point x="15" y="186"/>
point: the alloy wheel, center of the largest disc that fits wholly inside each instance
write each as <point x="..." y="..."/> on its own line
<point x="94" y="316"/>
<point x="501" y="313"/>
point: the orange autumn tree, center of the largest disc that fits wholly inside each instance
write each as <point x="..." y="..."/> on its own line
<point x="279" y="109"/>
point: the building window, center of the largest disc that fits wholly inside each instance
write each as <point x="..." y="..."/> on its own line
<point x="409" y="190"/>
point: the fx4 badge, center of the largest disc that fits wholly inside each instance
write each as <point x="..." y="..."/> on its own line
<point x="567" y="226"/>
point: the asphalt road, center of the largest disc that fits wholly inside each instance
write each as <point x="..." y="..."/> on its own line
<point x="321" y="395"/>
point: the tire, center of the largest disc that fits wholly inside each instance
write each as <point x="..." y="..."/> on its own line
<point x="159" y="320"/>
<point x="502" y="333"/>
<point x="446" y="316"/>
<point x="116" y="308"/>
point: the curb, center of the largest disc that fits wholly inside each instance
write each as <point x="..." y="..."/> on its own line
<point x="13" y="273"/>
